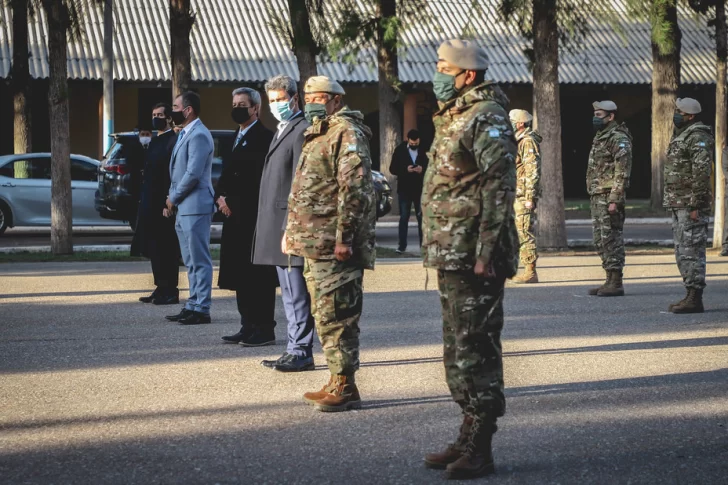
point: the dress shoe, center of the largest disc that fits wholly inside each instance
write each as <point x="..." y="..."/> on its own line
<point x="259" y="340"/>
<point x="295" y="363"/>
<point x="167" y="297"/>
<point x="195" y="318"/>
<point x="150" y="298"/>
<point x="237" y="338"/>
<point x="272" y="363"/>
<point x="179" y="316"/>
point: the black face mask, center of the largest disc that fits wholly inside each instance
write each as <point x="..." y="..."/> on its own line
<point x="178" y="117"/>
<point x="240" y="115"/>
<point x="159" y="124"/>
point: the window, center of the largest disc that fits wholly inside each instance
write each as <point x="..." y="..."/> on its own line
<point x="83" y="171"/>
<point x="34" y="168"/>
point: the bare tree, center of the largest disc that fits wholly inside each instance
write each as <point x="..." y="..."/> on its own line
<point x="20" y="73"/>
<point x="181" y="20"/>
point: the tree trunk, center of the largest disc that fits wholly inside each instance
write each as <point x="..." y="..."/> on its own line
<point x="61" y="208"/>
<point x="547" y="116"/>
<point x="21" y="79"/>
<point x="665" y="84"/>
<point x="390" y="125"/>
<point x="180" y="26"/>
<point x="107" y="65"/>
<point x="304" y="45"/>
<point x="721" y="105"/>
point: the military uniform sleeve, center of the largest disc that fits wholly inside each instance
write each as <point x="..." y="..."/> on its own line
<point x="531" y="159"/>
<point x="622" y="153"/>
<point x="701" y="154"/>
<point x="494" y="153"/>
<point x="352" y="186"/>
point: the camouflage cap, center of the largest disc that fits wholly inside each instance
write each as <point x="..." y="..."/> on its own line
<point x="604" y="105"/>
<point x="520" y="116"/>
<point x="464" y="54"/>
<point x="688" y="105"/>
<point x="322" y="84"/>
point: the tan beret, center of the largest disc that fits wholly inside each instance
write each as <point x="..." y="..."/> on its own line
<point x="520" y="116"/>
<point x="688" y="105"/>
<point x="605" y="105"/>
<point x="464" y="54"/>
<point x="322" y="84"/>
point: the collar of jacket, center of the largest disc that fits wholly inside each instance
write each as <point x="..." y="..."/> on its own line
<point x="692" y="126"/>
<point x="527" y="132"/>
<point x="610" y="129"/>
<point x="486" y="91"/>
<point x="320" y="126"/>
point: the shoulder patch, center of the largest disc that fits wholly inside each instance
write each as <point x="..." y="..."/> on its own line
<point x="701" y="144"/>
<point x="494" y="133"/>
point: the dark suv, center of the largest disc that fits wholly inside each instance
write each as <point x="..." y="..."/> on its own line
<point x="120" y="177"/>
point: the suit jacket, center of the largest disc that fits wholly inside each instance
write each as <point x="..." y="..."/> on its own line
<point x="275" y="187"/>
<point x="190" y="171"/>
<point x="240" y="184"/>
<point x="409" y="184"/>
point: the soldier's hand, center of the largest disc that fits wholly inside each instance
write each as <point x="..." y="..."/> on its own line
<point x="612" y="208"/>
<point x="481" y="269"/>
<point x="694" y="215"/>
<point x="284" y="246"/>
<point x="528" y="204"/>
<point x="342" y="252"/>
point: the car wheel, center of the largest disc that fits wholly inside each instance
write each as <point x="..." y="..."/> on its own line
<point x="5" y="217"/>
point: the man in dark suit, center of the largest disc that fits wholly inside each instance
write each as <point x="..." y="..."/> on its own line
<point x="280" y="166"/>
<point x="191" y="198"/>
<point x="237" y="197"/>
<point x="155" y="237"/>
<point x="409" y="162"/>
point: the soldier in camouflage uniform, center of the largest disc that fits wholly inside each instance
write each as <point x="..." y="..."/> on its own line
<point x="470" y="238"/>
<point x="331" y="217"/>
<point x="528" y="178"/>
<point x="607" y="178"/>
<point x="688" y="196"/>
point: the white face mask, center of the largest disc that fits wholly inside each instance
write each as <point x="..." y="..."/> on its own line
<point x="145" y="140"/>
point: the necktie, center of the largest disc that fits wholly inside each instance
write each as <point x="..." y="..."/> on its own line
<point x="237" y="140"/>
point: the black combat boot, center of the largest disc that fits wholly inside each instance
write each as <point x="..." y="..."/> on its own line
<point x="595" y="291"/>
<point x="693" y="303"/>
<point x="441" y="460"/>
<point x="613" y="286"/>
<point x="477" y="461"/>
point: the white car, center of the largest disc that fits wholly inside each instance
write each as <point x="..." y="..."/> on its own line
<point x="25" y="190"/>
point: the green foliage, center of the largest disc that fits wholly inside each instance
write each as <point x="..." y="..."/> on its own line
<point x="662" y="29"/>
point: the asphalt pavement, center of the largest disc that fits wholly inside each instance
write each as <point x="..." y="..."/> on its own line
<point x="97" y="388"/>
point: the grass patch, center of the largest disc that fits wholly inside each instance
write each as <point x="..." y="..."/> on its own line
<point x="97" y="256"/>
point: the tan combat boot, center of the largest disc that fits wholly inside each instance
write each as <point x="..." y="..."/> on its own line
<point x="342" y="395"/>
<point x="440" y="461"/>
<point x="693" y="302"/>
<point x="595" y="291"/>
<point x="681" y="302"/>
<point x="312" y="397"/>
<point x="529" y="275"/>
<point x="477" y="461"/>
<point x="614" y="285"/>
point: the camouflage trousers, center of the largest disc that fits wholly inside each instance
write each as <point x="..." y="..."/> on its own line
<point x="690" y="238"/>
<point x="525" y="225"/>
<point x="336" y="305"/>
<point x="607" y="229"/>
<point x="472" y="316"/>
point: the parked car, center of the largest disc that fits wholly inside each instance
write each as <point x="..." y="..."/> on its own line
<point x="25" y="190"/>
<point x="120" y="177"/>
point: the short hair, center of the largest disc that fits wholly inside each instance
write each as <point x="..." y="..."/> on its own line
<point x="191" y="100"/>
<point x="413" y="135"/>
<point x="282" y="83"/>
<point x="167" y="109"/>
<point x="252" y="94"/>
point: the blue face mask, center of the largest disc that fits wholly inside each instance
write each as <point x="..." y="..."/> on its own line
<point x="282" y="110"/>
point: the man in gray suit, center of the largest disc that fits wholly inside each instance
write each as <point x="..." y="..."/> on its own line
<point x="191" y="197"/>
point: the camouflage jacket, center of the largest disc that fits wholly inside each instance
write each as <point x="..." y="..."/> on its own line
<point x="332" y="196"/>
<point x="528" y="165"/>
<point x="610" y="162"/>
<point x="470" y="183"/>
<point x="688" y="168"/>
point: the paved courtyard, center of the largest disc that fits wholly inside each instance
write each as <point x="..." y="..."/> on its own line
<point x="96" y="388"/>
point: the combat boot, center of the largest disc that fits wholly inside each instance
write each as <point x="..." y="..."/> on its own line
<point x="342" y="395"/>
<point x="614" y="285"/>
<point x="440" y="461"/>
<point x="529" y="275"/>
<point x="595" y="291"/>
<point x="477" y="461"/>
<point x="693" y="303"/>
<point x="312" y="397"/>
<point x="681" y="302"/>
